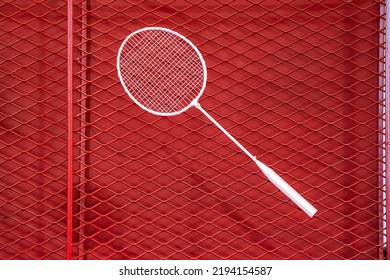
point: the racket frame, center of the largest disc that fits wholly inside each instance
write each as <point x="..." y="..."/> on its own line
<point x="193" y="103"/>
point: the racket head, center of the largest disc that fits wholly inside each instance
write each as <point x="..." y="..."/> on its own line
<point x="161" y="70"/>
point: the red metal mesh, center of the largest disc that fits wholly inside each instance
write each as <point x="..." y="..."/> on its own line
<point x="32" y="130"/>
<point x="298" y="83"/>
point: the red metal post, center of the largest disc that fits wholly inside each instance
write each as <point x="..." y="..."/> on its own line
<point x="387" y="128"/>
<point x="70" y="133"/>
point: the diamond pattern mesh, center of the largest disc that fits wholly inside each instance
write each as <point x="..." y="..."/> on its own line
<point x="300" y="83"/>
<point x="33" y="130"/>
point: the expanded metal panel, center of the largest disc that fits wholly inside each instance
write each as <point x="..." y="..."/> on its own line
<point x="300" y="83"/>
<point x="33" y="130"/>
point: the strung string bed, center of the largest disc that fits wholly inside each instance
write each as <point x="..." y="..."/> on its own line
<point x="161" y="71"/>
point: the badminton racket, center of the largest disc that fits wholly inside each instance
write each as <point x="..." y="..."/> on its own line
<point x="165" y="74"/>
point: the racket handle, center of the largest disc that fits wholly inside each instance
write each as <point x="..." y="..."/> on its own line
<point x="287" y="189"/>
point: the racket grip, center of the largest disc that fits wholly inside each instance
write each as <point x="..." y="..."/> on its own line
<point x="287" y="189"/>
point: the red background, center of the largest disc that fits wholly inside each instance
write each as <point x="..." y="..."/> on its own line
<point x="298" y="83"/>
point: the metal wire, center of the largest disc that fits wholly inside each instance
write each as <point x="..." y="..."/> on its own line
<point x="296" y="80"/>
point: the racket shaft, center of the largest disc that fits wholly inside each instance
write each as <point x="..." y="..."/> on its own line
<point x="197" y="105"/>
<point x="268" y="172"/>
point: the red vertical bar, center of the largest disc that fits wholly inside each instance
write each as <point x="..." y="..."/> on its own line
<point x="382" y="178"/>
<point x="70" y="133"/>
<point x="387" y="137"/>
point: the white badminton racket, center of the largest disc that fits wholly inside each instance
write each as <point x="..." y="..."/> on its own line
<point x="165" y="74"/>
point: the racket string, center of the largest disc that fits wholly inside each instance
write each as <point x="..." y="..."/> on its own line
<point x="165" y="72"/>
<point x="162" y="71"/>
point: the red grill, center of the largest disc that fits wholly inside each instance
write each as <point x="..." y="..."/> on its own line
<point x="87" y="174"/>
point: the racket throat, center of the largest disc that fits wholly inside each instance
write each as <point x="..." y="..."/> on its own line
<point x="196" y="105"/>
